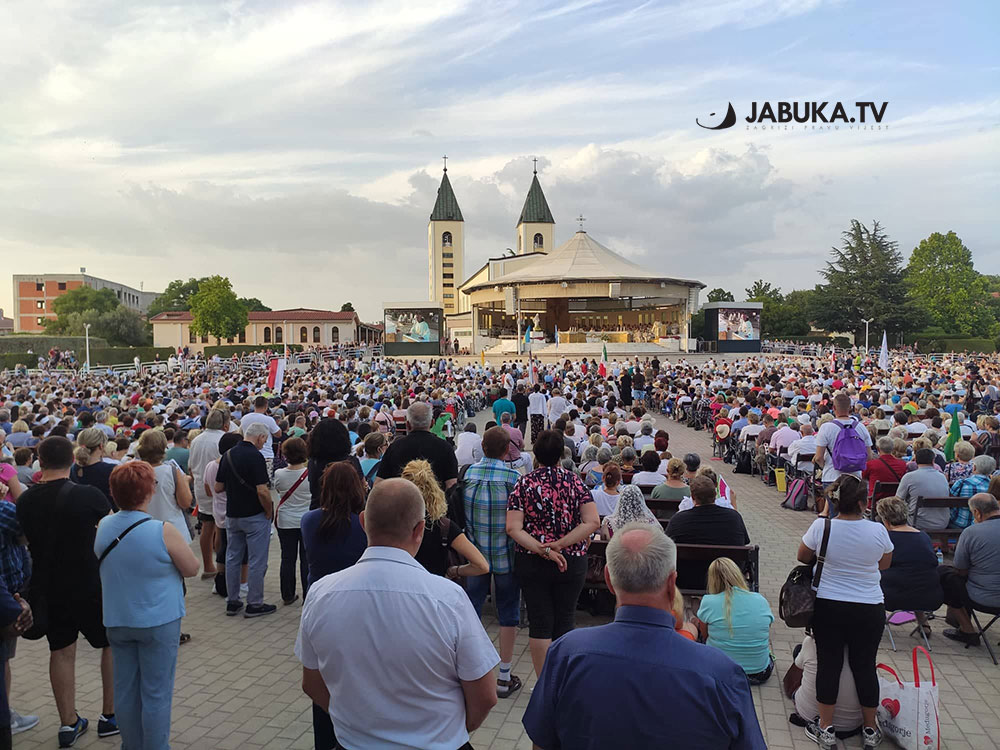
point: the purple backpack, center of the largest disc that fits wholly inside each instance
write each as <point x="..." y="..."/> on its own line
<point x="850" y="451"/>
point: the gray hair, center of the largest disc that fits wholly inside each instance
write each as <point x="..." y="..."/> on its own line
<point x="589" y="453"/>
<point x="643" y="569"/>
<point x="505" y="418"/>
<point x="215" y="420"/>
<point x="628" y="453"/>
<point x="604" y="454"/>
<point x="646" y="429"/>
<point x="984" y="502"/>
<point x="256" y="430"/>
<point x="4" y="415"/>
<point x="885" y="444"/>
<point x="420" y="416"/>
<point x="893" y="510"/>
<point x="984" y="465"/>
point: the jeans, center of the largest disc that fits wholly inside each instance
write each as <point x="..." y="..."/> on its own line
<point x="507" y="596"/>
<point x="252" y="534"/>
<point x="292" y="546"/>
<point x="145" y="661"/>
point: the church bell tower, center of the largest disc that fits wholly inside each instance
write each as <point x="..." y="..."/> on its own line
<point x="535" y="227"/>
<point x="446" y="246"/>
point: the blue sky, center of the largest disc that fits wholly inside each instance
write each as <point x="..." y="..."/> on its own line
<point x="296" y="146"/>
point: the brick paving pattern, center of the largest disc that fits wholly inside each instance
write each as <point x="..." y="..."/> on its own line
<point x="238" y="682"/>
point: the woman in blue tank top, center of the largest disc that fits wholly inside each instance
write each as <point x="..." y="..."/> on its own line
<point x="142" y="562"/>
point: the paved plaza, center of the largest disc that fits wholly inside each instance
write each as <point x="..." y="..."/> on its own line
<point x="238" y="682"/>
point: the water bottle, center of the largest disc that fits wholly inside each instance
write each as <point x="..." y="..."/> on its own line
<point x="940" y="556"/>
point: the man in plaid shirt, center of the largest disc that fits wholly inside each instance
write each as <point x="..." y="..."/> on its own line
<point x="979" y="481"/>
<point x="487" y="485"/>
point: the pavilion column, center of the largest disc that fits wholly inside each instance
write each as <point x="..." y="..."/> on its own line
<point x="556" y="314"/>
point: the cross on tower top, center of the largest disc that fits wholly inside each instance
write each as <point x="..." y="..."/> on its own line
<point x="581" y="220"/>
<point x="535" y="162"/>
<point x="445" y="157"/>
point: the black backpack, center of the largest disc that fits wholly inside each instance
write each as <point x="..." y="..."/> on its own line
<point x="744" y="463"/>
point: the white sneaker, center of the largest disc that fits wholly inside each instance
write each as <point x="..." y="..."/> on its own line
<point x="19" y="723"/>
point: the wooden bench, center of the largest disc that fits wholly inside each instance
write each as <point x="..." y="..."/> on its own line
<point x="747" y="558"/>
<point x="942" y="502"/>
<point x="664" y="510"/>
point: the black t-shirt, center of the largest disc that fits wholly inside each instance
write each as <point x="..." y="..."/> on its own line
<point x="61" y="538"/>
<point x="705" y="524"/>
<point x="433" y="554"/>
<point x="420" y="444"/>
<point x="244" y="462"/>
<point x="96" y="475"/>
<point x="520" y="407"/>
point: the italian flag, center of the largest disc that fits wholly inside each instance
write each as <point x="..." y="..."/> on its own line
<point x="602" y="369"/>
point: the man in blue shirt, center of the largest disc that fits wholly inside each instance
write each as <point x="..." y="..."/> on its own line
<point x="662" y="690"/>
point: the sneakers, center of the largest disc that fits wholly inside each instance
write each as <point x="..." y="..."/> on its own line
<point x="19" y="723"/>
<point x="871" y="737"/>
<point x="233" y="608"/>
<point x="107" y="726"/>
<point x="68" y="735"/>
<point x="259" y="610"/>
<point x="825" y="738"/>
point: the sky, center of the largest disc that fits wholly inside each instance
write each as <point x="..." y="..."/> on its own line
<point x="296" y="147"/>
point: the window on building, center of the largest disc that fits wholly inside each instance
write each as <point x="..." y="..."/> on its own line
<point x="449" y="284"/>
<point x="448" y="296"/>
<point x="40" y="305"/>
<point x="39" y="286"/>
<point x="204" y="339"/>
<point x="267" y="334"/>
<point x="192" y="338"/>
<point x="303" y="335"/>
<point x="40" y="321"/>
<point x="315" y="334"/>
<point x="278" y="335"/>
<point x="446" y="239"/>
<point x="539" y="242"/>
<point x="447" y="255"/>
<point x="447" y="265"/>
<point x="243" y="336"/>
<point x="229" y="340"/>
<point x="335" y="335"/>
<point x="448" y="275"/>
<point x="62" y="286"/>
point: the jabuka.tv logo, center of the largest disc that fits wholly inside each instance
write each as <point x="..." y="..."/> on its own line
<point x="805" y="116"/>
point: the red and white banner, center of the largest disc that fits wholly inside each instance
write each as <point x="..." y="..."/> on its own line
<point x="276" y="375"/>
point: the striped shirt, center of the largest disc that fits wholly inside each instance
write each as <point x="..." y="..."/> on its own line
<point x="487" y="485"/>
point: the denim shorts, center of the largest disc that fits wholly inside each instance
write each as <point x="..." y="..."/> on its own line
<point x="506" y="597"/>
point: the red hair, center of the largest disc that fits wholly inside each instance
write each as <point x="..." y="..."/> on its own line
<point x="132" y="484"/>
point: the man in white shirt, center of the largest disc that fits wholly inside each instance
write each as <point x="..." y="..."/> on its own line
<point x="417" y="645"/>
<point x="802" y="447"/>
<point x="536" y="411"/>
<point x="557" y="406"/>
<point x="468" y="446"/>
<point x="259" y="416"/>
<point x="203" y="450"/>
<point x="827" y="437"/>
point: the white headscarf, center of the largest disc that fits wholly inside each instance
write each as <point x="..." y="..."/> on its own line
<point x="631" y="508"/>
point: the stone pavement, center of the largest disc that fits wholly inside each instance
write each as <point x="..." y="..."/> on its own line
<point x="238" y="683"/>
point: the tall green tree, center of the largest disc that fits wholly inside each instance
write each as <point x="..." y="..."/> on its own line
<point x="942" y="281"/>
<point x="177" y="296"/>
<point x="252" y="304"/>
<point x="85" y="298"/>
<point x="762" y="290"/>
<point x="216" y="310"/>
<point x="864" y="279"/>
<point x="347" y="307"/>
<point x="720" y="295"/>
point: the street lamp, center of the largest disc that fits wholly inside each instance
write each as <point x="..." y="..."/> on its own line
<point x="86" y="334"/>
<point x="866" y="322"/>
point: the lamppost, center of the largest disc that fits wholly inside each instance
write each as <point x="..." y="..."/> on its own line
<point x="866" y="322"/>
<point x="86" y="335"/>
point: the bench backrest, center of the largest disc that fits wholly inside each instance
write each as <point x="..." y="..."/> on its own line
<point x="746" y="557"/>
<point x="942" y="502"/>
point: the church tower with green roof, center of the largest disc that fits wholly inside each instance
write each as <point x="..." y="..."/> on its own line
<point x="446" y="247"/>
<point x="535" y="227"/>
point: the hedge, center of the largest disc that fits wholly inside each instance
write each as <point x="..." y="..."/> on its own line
<point x="228" y="350"/>
<point x="948" y="344"/>
<point x="18" y="343"/>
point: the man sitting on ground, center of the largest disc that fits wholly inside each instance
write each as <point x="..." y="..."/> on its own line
<point x="974" y="581"/>
<point x="591" y="674"/>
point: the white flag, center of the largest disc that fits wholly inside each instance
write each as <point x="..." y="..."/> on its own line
<point x="883" y="357"/>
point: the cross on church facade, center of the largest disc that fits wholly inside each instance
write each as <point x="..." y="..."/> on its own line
<point x="581" y="220"/>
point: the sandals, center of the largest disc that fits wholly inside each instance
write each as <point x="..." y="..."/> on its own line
<point x="185" y="637"/>
<point x="507" y="688"/>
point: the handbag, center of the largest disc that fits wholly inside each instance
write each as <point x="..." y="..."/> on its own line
<point x="792" y="680"/>
<point x="291" y="491"/>
<point x="34" y="594"/>
<point x="797" y="599"/>
<point x="908" y="711"/>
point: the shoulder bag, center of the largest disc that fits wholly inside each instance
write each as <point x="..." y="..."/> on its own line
<point x="797" y="599"/>
<point x="291" y="491"/>
<point x="117" y="540"/>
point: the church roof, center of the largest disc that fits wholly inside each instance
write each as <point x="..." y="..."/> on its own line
<point x="536" y="208"/>
<point x="446" y="207"/>
<point x="580" y="259"/>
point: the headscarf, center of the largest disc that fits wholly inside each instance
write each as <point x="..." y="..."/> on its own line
<point x="631" y="508"/>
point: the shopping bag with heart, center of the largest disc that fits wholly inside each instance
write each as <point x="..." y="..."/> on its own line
<point x="908" y="711"/>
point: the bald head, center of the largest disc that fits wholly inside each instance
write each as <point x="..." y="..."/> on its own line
<point x="394" y="509"/>
<point x="807" y="429"/>
<point x="640" y="559"/>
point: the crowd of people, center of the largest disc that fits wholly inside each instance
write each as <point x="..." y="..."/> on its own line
<point x="384" y="493"/>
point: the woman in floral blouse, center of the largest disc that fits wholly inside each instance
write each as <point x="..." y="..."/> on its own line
<point x="550" y="516"/>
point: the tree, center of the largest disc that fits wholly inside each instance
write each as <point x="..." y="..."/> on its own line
<point x="252" y="304"/>
<point x="85" y="298"/>
<point x="720" y="295"/>
<point x="347" y="307"/>
<point x="216" y="311"/>
<point x="942" y="281"/>
<point x="177" y="296"/>
<point x="864" y="279"/>
<point x="763" y="290"/>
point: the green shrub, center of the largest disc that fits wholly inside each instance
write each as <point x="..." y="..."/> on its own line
<point x="21" y="342"/>
<point x="949" y="344"/>
<point x="120" y="355"/>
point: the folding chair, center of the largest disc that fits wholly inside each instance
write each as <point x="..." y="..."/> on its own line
<point x="995" y="611"/>
<point x="892" y="641"/>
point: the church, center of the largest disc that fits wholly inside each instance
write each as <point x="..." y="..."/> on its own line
<point x="574" y="299"/>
